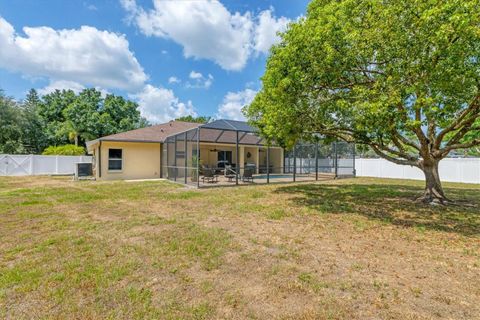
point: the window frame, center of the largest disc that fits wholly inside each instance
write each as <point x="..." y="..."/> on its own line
<point x="115" y="159"/>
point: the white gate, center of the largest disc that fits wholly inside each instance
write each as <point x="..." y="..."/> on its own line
<point x="15" y="165"/>
<point x="23" y="165"/>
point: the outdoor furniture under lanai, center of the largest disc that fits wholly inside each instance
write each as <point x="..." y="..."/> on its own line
<point x="230" y="174"/>
<point x="209" y="176"/>
<point x="247" y="175"/>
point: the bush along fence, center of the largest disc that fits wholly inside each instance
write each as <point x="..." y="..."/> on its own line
<point x="29" y="165"/>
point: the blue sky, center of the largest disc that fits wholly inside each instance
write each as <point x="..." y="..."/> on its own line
<point x="173" y="57"/>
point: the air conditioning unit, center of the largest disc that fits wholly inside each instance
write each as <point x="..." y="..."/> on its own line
<point x="83" y="170"/>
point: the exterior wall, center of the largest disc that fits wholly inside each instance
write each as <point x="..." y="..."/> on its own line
<point x="253" y="159"/>
<point x="209" y="158"/>
<point x="141" y="160"/>
<point x="276" y="159"/>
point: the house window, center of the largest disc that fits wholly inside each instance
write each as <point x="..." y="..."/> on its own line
<point x="225" y="156"/>
<point x="115" y="162"/>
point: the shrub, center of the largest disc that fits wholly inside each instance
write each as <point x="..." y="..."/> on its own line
<point x="65" y="150"/>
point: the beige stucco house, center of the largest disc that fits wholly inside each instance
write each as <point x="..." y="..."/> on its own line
<point x="143" y="153"/>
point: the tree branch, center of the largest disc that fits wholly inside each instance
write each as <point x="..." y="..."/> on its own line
<point x="457" y="123"/>
<point x="404" y="140"/>
<point x="465" y="145"/>
<point x="465" y="128"/>
<point x="392" y="159"/>
<point x="400" y="154"/>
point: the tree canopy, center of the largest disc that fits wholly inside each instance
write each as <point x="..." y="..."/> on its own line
<point x="402" y="77"/>
<point x="190" y="118"/>
<point x="61" y="117"/>
<point x="10" y="124"/>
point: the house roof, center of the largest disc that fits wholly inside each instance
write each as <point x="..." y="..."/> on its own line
<point x="156" y="133"/>
<point x="218" y="131"/>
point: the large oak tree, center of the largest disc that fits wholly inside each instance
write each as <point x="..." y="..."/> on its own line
<point x="402" y="77"/>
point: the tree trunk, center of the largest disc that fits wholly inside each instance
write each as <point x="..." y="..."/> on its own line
<point x="76" y="140"/>
<point x="433" y="193"/>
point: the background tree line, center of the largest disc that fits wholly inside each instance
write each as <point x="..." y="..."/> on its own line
<point x="63" y="117"/>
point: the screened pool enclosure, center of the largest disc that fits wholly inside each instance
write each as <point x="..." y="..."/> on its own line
<point x="226" y="152"/>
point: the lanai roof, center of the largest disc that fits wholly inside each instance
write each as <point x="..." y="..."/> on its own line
<point x="230" y="125"/>
<point x="222" y="131"/>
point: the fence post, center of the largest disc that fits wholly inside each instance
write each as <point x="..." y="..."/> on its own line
<point x="354" y="155"/>
<point x="175" y="159"/>
<point x="237" y="160"/>
<point x="198" y="157"/>
<point x="336" y="160"/>
<point x="32" y="157"/>
<point x="268" y="164"/>
<point x="294" y="163"/>
<point x="316" y="161"/>
<point x="167" y="174"/>
<point x="186" y="158"/>
<point x="56" y="164"/>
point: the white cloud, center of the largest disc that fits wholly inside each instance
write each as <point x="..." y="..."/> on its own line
<point x="86" y="56"/>
<point x="68" y="85"/>
<point x="78" y="58"/>
<point x="195" y="75"/>
<point x="173" y="80"/>
<point x="161" y="105"/>
<point x="199" y="80"/>
<point x="207" y="30"/>
<point x="266" y="30"/>
<point x="61" y="85"/>
<point x="91" y="7"/>
<point x="233" y="102"/>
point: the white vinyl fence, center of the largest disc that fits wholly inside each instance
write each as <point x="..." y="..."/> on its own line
<point x="466" y="170"/>
<point x="25" y="165"/>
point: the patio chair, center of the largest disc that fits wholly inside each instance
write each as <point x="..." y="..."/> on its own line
<point x="230" y="174"/>
<point x="247" y="175"/>
<point x="203" y="168"/>
<point x="209" y="176"/>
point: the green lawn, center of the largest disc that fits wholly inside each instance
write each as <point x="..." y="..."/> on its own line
<point x="356" y="248"/>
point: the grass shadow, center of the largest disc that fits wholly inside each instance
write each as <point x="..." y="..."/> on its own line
<point x="392" y="203"/>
